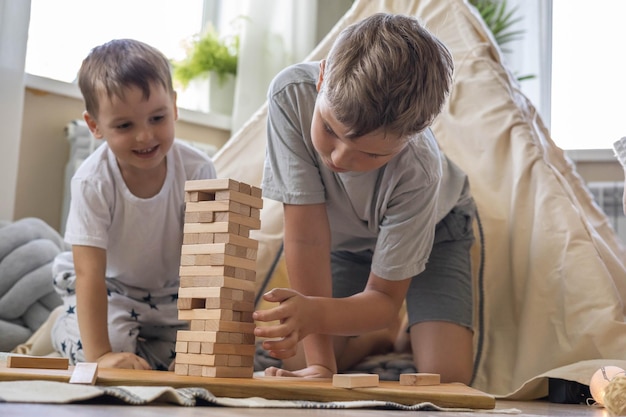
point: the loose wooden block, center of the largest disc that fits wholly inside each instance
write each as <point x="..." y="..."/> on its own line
<point x="84" y="373"/>
<point x="39" y="362"/>
<point x="355" y="380"/>
<point x="418" y="379"/>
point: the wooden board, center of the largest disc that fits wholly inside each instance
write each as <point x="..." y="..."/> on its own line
<point x="274" y="388"/>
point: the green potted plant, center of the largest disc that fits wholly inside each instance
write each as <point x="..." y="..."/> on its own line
<point x="499" y="19"/>
<point x="214" y="58"/>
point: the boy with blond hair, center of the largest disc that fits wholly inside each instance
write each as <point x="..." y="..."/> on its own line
<point x="374" y="213"/>
<point x="125" y="224"/>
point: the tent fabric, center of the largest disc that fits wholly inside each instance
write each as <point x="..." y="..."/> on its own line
<point x="551" y="280"/>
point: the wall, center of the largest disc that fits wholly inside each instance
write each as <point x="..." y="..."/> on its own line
<point x="14" y="18"/>
<point x="44" y="152"/>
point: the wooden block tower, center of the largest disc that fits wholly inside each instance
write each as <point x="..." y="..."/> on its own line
<point x="217" y="279"/>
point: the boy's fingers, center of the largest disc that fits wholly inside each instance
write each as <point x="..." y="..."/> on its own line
<point x="278" y="295"/>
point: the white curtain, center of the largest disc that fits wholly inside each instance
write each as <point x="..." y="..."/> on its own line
<point x="276" y="33"/>
<point x="14" y="19"/>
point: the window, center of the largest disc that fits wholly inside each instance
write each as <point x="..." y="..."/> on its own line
<point x="62" y="32"/>
<point x="588" y="73"/>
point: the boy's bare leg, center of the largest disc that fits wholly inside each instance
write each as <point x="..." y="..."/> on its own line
<point x="443" y="348"/>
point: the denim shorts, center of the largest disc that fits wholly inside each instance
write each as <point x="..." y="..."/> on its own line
<point x="443" y="291"/>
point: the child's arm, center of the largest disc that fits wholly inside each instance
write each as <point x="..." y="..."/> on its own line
<point x="307" y="255"/>
<point x="92" y="307"/>
<point x="308" y="309"/>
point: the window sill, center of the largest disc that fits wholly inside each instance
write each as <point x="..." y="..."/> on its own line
<point x="591" y="155"/>
<point x="213" y="120"/>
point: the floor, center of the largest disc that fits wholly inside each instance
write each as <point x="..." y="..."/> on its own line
<point x="530" y="408"/>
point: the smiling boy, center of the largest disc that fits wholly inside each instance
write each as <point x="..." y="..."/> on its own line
<point x="374" y="213"/>
<point x="120" y="282"/>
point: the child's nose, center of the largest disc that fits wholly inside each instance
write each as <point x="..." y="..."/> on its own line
<point x="144" y="134"/>
<point x="341" y="157"/>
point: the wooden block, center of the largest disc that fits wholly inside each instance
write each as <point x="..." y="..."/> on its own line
<point x="255" y="213"/>
<point x="199" y="217"/>
<point x="190" y="303"/>
<point x="202" y="336"/>
<point x="218" y="259"/>
<point x="244" y="230"/>
<point x="235" y="239"/>
<point x="181" y="347"/>
<point x="208" y="270"/>
<point x="213" y="206"/>
<point x="227" y="248"/>
<point x="247" y="306"/>
<point x="213" y="184"/>
<point x="181" y="369"/>
<point x="193" y="347"/>
<point x="202" y="359"/>
<point x="39" y="362"/>
<point x="238" y="197"/>
<point x="85" y="373"/>
<point x="227" y="349"/>
<point x="206" y="292"/>
<point x="241" y="338"/>
<point x="225" y="282"/>
<point x="355" y="380"/>
<point x="244" y="188"/>
<point x="228" y="371"/>
<point x="205" y="314"/>
<point x="418" y="379"/>
<point x="240" y="360"/>
<point x="228" y="326"/>
<point x="215" y="227"/>
<point x="248" y="221"/>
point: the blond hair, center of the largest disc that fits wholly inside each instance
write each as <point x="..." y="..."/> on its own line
<point x="118" y="64"/>
<point x="387" y="71"/>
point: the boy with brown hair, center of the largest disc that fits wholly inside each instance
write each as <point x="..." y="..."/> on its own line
<point x="125" y="224"/>
<point x="374" y="213"/>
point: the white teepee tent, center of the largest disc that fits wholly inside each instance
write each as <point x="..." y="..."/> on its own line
<point x="550" y="271"/>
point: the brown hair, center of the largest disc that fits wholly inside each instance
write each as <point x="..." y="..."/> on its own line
<point x="387" y="71"/>
<point x="118" y="64"/>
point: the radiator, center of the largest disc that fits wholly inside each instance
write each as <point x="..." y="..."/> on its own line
<point x="608" y="195"/>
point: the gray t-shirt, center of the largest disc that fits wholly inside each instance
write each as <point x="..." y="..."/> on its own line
<point x="391" y="211"/>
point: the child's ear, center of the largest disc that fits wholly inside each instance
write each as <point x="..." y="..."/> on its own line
<point x="320" y="79"/>
<point x="92" y="124"/>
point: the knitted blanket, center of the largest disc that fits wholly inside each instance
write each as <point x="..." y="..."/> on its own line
<point x="27" y="249"/>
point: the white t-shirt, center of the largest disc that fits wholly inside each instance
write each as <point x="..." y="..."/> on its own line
<point x="142" y="236"/>
<point x="391" y="211"/>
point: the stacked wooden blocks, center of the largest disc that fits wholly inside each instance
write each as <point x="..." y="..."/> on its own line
<point x="217" y="279"/>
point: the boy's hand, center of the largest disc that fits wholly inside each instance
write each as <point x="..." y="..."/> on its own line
<point x="313" y="371"/>
<point x="294" y="316"/>
<point x="125" y="360"/>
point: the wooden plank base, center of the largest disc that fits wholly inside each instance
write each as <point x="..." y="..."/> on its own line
<point x="275" y="388"/>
